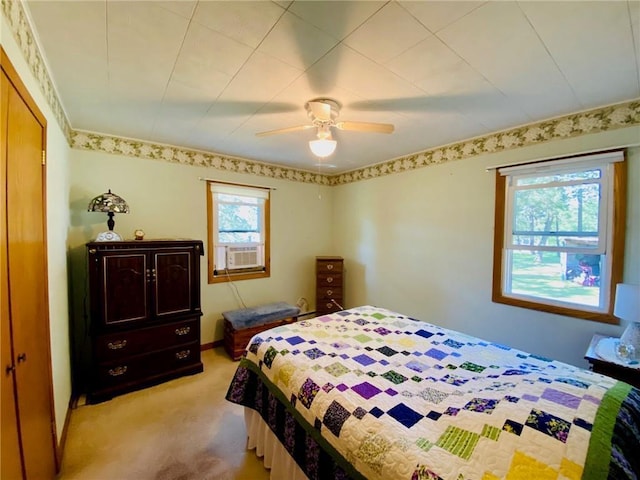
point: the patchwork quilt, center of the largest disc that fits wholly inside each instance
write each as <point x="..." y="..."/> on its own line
<point x="370" y="393"/>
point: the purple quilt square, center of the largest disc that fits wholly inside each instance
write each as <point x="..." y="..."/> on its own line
<point x="366" y="390"/>
<point x="435" y="353"/>
<point x="363" y="359"/>
<point x="433" y="415"/>
<point x="481" y="405"/>
<point x="384" y="362"/>
<point x="452" y="411"/>
<point x="314" y="353"/>
<point x="391" y="392"/>
<point x="334" y="417"/>
<point x="382" y="331"/>
<point x="561" y="398"/>
<point x="417" y="366"/>
<point x="359" y="412"/>
<point x="308" y="392"/>
<point x="376" y="412"/>
<point x="342" y="387"/>
<point x="424" y="333"/>
<point x="592" y="399"/>
<point x="405" y="415"/>
<point x="529" y="398"/>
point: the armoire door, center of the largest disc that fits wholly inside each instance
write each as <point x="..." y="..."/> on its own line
<point x="25" y="276"/>
<point x="126" y="278"/>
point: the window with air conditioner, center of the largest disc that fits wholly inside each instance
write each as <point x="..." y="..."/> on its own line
<point x="559" y="235"/>
<point x="238" y="231"/>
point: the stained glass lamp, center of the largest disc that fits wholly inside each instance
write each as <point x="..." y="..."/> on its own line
<point x="109" y="203"/>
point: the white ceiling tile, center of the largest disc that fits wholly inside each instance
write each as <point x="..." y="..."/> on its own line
<point x="436" y="15"/>
<point x="210" y="68"/>
<point x="601" y="35"/>
<point x="337" y="18"/>
<point x="372" y="39"/>
<point x="347" y="69"/>
<point x="272" y="75"/>
<point x="247" y="21"/>
<point x="184" y="8"/>
<point x="143" y="40"/>
<point x="296" y="42"/>
<point x="425" y="61"/>
<point x="498" y="41"/>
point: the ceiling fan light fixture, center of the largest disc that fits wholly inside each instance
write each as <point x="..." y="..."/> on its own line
<point x="322" y="147"/>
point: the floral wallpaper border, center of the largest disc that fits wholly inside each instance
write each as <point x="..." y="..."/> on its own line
<point x="593" y="121"/>
<point x="16" y="17"/>
<point x="598" y="120"/>
<point x="185" y="156"/>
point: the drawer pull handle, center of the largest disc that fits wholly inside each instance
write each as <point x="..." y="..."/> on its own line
<point x="182" y="331"/>
<point x="116" y="372"/>
<point x="117" y="345"/>
<point x="329" y="279"/>
<point x="182" y="354"/>
<point x="329" y="305"/>
<point x="329" y="292"/>
<point x="330" y="267"/>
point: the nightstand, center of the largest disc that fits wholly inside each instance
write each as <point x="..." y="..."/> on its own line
<point x="611" y="369"/>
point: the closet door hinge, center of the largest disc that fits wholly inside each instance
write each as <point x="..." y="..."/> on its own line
<point x="44" y="157"/>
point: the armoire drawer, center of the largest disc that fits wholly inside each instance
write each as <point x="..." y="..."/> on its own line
<point x="114" y="346"/>
<point x="134" y="369"/>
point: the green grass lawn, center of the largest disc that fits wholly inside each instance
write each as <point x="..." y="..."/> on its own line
<point x="544" y="279"/>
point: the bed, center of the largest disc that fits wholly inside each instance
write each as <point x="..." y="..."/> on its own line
<point x="371" y="393"/>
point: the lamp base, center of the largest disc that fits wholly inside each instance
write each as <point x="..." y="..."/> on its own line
<point x="108" y="236"/>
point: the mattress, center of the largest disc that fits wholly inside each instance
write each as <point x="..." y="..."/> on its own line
<point x="371" y="393"/>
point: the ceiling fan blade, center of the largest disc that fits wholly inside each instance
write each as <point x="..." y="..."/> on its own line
<point x="365" y="127"/>
<point x="320" y="110"/>
<point x="284" y="130"/>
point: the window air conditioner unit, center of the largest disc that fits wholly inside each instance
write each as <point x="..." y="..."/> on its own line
<point x="245" y="256"/>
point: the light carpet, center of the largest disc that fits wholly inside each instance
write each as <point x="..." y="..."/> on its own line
<point x="179" y="430"/>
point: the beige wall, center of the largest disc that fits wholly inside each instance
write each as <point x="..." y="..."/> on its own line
<point x="421" y="242"/>
<point x="57" y="227"/>
<point x="168" y="200"/>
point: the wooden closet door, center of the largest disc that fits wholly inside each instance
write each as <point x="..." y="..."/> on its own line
<point x="27" y="265"/>
<point x="11" y="465"/>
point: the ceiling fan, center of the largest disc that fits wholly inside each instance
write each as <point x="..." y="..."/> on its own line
<point x="324" y="113"/>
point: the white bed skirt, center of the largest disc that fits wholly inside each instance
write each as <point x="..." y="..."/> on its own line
<point x="274" y="456"/>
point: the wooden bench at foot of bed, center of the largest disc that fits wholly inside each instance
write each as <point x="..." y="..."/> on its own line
<point x="242" y="324"/>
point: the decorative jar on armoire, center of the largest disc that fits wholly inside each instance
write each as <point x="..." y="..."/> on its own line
<point x="145" y="313"/>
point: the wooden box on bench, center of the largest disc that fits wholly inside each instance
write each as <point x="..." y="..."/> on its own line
<point x="235" y="341"/>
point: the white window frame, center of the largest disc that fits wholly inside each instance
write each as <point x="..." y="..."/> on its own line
<point x="610" y="232"/>
<point x="219" y="269"/>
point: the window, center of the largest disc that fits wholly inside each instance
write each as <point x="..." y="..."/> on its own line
<point x="238" y="224"/>
<point x="559" y="236"/>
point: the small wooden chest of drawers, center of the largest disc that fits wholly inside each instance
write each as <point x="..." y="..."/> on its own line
<point x="329" y="284"/>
